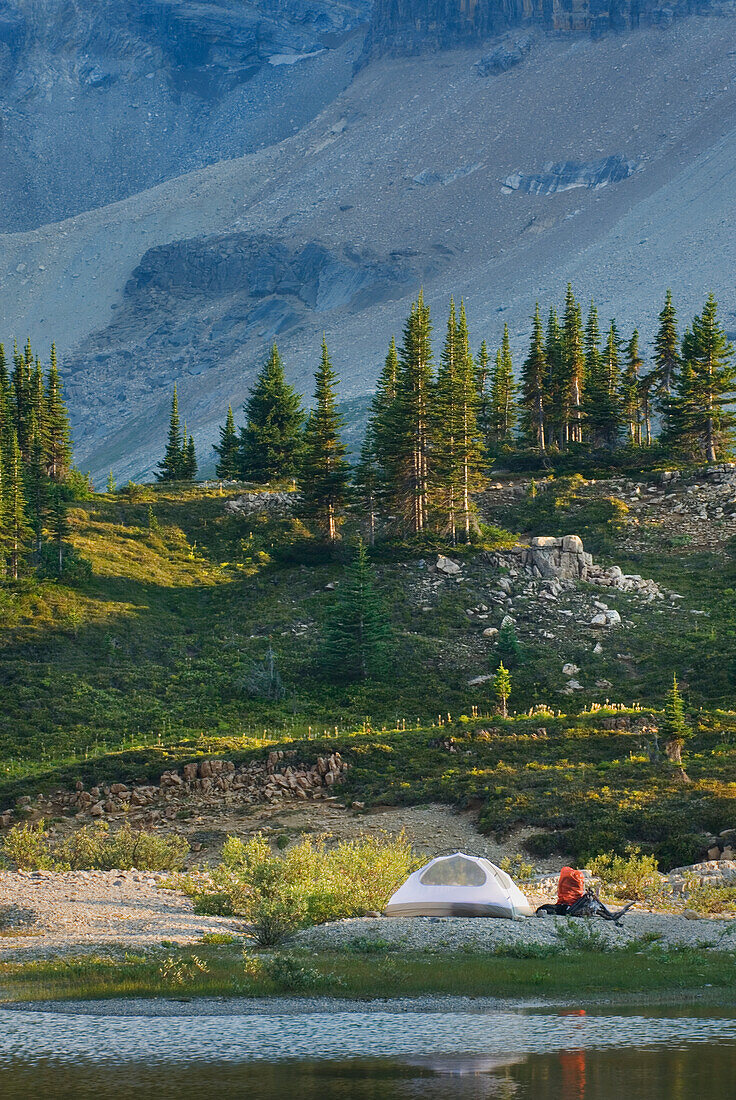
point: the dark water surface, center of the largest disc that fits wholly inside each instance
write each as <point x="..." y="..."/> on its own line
<point x="652" y="1054"/>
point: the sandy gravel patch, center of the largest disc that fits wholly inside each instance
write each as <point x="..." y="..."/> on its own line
<point x="79" y="910"/>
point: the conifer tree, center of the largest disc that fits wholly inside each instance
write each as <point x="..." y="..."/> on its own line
<point x="557" y="383"/>
<point x="368" y="485"/>
<point x="36" y="483"/>
<point x="471" y="451"/>
<point x="4" y="531"/>
<point x="534" y="375"/>
<point x="357" y="637"/>
<point x="6" y="418"/>
<point x="271" y="439"/>
<point x="189" y="458"/>
<point x="170" y="469"/>
<point x="57" y="434"/>
<point x="503" y="397"/>
<point x="21" y="398"/>
<point x="412" y="422"/>
<point x="574" y="370"/>
<point x="111" y="486"/>
<point x="631" y="394"/>
<point x="609" y="417"/>
<point x="502" y="688"/>
<point x="16" y="523"/>
<point x="447" y="429"/>
<point x="666" y="348"/>
<point x="713" y="387"/>
<point x="483" y="376"/>
<point x="674" y="728"/>
<point x="324" y="474"/>
<point x="228" y="449"/>
<point x="385" y="433"/>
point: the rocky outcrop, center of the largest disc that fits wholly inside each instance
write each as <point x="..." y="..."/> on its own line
<point x="277" y="778"/>
<point x="270" y="504"/>
<point x="191" y="306"/>
<point x="412" y="26"/>
<point x="179" y="83"/>
<point x="567" y="175"/>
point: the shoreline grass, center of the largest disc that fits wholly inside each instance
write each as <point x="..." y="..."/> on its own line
<point x="223" y="970"/>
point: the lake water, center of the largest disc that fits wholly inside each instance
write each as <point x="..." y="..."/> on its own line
<point x="652" y="1054"/>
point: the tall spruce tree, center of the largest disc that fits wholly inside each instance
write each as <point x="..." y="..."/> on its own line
<point x="171" y="468"/>
<point x="368" y="482"/>
<point x="57" y="432"/>
<point x="412" y="421"/>
<point x="471" y="449"/>
<point x="666" y="349"/>
<point x="36" y="484"/>
<point x="712" y="389"/>
<point x="4" y="531"/>
<point x="609" y="418"/>
<point x="21" y="398"/>
<point x="357" y="637"/>
<point x="18" y="531"/>
<point x="574" y="370"/>
<point x="483" y="377"/>
<point x="272" y="437"/>
<point x="188" y="458"/>
<point x="631" y="394"/>
<point x="557" y="383"/>
<point x="228" y="450"/>
<point x="504" y="412"/>
<point x="324" y="473"/>
<point x="534" y="375"/>
<point x="447" y="430"/>
<point x="6" y="416"/>
<point x="384" y="433"/>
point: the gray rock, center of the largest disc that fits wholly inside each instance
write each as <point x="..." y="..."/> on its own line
<point x="447" y="566"/>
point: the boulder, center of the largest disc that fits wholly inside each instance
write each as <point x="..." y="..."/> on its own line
<point x="447" y="566"/>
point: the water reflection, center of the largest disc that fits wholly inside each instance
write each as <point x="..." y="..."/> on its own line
<point x="369" y="1056"/>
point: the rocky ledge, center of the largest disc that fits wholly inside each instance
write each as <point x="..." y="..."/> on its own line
<point x="280" y="777"/>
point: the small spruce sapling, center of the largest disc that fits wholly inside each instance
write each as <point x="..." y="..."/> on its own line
<point x="507" y="647"/>
<point x="502" y="688"/>
<point x="674" y="728"/>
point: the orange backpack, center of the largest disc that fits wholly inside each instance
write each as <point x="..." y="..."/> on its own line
<point x="570" y="887"/>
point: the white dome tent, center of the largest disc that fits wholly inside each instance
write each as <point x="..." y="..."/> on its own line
<point x="459" y="886"/>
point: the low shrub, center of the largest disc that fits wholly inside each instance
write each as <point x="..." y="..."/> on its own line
<point x="310" y="883"/>
<point x="30" y="847"/>
<point x="705" y="898"/>
<point x="27" y="848"/>
<point x="531" y="950"/>
<point x="578" y="934"/>
<point x="519" y="869"/>
<point x="634" y="876"/>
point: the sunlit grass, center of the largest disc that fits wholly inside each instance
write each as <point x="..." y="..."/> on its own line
<point x="204" y="970"/>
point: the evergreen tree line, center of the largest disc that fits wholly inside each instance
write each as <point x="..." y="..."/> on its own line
<point x="581" y="388"/>
<point x="35" y="461"/>
<point x="433" y="430"/>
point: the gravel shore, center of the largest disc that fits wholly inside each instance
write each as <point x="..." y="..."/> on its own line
<point x="53" y="913"/>
<point x="442" y="934"/>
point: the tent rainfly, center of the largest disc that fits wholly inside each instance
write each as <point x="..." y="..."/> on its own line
<point x="459" y="886"/>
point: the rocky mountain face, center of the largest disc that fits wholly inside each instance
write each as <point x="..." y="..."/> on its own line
<point x="335" y="192"/>
<point x="102" y="98"/>
<point x="401" y="27"/>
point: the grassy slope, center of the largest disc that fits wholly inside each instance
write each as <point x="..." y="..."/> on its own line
<point x="147" y="664"/>
<point x="639" y="969"/>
